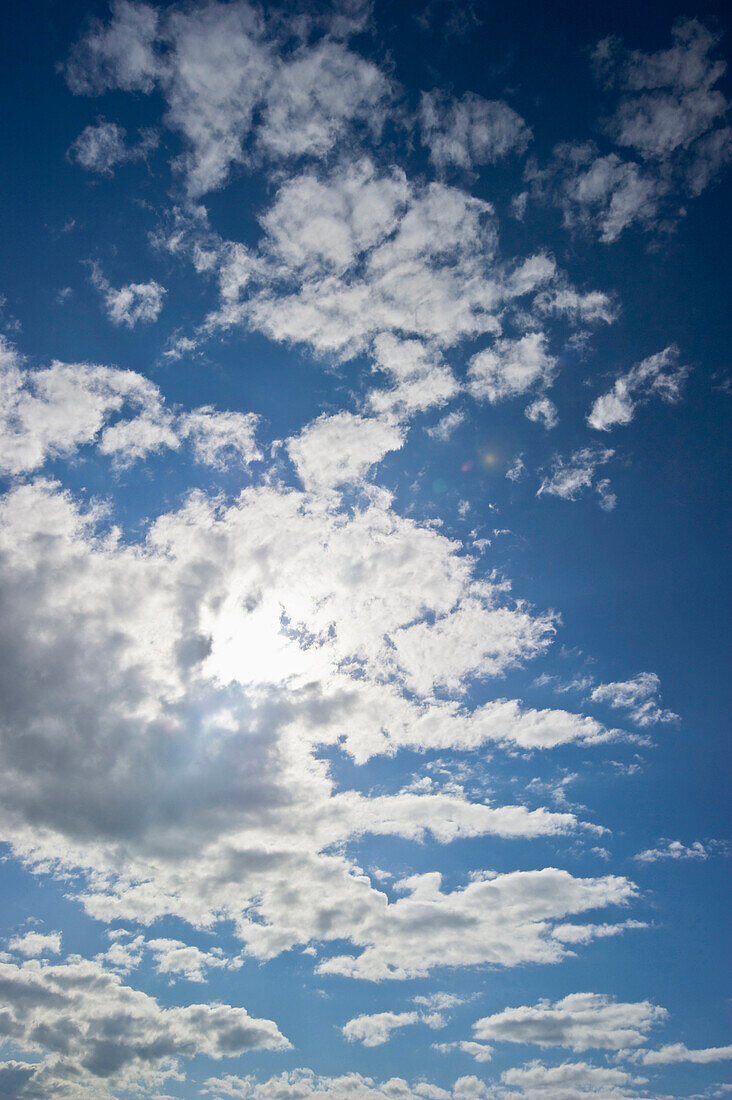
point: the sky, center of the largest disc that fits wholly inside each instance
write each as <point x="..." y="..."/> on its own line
<point x="364" y="448"/>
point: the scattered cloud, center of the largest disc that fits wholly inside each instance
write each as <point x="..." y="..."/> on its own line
<point x="103" y="146"/>
<point x="640" y="697"/>
<point x="470" y="131"/>
<point x="570" y="477"/>
<point x="659" y="375"/>
<point x="136" y="303"/>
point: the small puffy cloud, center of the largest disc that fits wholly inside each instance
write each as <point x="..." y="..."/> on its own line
<point x="569" y="1081"/>
<point x="101" y="147"/>
<point x="640" y="697"/>
<point x="221" y="439"/>
<point x="303" y="1084"/>
<point x="135" y="303"/>
<point x="542" y="411"/>
<point x="174" y="958"/>
<point x="33" y="944"/>
<point x="466" y="132"/>
<point x="675" y="850"/>
<point x="674" y="1053"/>
<point x="511" y="367"/>
<point x="481" y="1052"/>
<point x="376" y="1029"/>
<point x="572" y="476"/>
<point x="581" y="1021"/>
<point x="104" y="1033"/>
<point x="338" y="449"/>
<point x="660" y="375"/>
<point x="446" y="425"/>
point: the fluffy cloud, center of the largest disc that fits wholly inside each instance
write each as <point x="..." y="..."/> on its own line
<point x="136" y="303"/>
<point x="679" y="1052"/>
<point x="338" y="449"/>
<point x="101" y="147"/>
<point x="669" y="114"/>
<point x="375" y="1029"/>
<point x="34" y="944"/>
<point x="569" y="1081"/>
<point x="218" y="66"/>
<point x="303" y="1084"/>
<point x="511" y="367"/>
<point x="659" y="375"/>
<point x="102" y="1032"/>
<point x="470" y="131"/>
<point x="581" y="1021"/>
<point x="572" y="476"/>
<point x="640" y="697"/>
<point x="674" y="850"/>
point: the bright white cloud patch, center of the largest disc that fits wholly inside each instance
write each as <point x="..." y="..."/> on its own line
<point x="136" y="303"/>
<point x="581" y="1021"/>
<point x="659" y="375"/>
<point x="572" y="476"/>
<point x="467" y="132"/>
<point x="640" y="697"/>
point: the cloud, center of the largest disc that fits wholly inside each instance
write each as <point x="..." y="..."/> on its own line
<point x="640" y="697"/>
<point x="511" y="367"/>
<point x="136" y="303"/>
<point x="303" y="1084"/>
<point x="375" y="1029"/>
<point x="102" y="1032"/>
<point x="542" y="411"/>
<point x="668" y="114"/>
<point x="659" y="375"/>
<point x="51" y="412"/>
<point x="103" y="146"/>
<point x="569" y="1081"/>
<point x="335" y="450"/>
<point x="581" y="1021"/>
<point x="572" y="476"/>
<point x="176" y="958"/>
<point x="231" y="91"/>
<point x="675" y="850"/>
<point x="466" y="132"/>
<point x="446" y="425"/>
<point x="34" y="944"/>
<point x="679" y="1052"/>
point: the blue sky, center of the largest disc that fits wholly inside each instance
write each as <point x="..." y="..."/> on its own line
<point x="364" y="451"/>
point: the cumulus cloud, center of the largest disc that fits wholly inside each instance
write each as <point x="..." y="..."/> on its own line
<point x="338" y="449"/>
<point x="130" y="305"/>
<point x="569" y="1081"/>
<point x="675" y="850"/>
<point x="103" y="146"/>
<point x="580" y="1021"/>
<point x="640" y="697"/>
<point x="570" y="477"/>
<point x="674" y="1053"/>
<point x="669" y="114"/>
<point x="34" y="944"/>
<point x="470" y="131"/>
<point x="660" y="375"/>
<point x="102" y="1032"/>
<point x="542" y="411"/>
<point x="303" y="1084"/>
<point x="51" y="412"/>
<point x="511" y="367"/>
<point x="230" y="91"/>
<point x="375" y="1029"/>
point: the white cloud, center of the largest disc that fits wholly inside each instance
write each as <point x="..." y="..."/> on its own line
<point x="572" y="476"/>
<point x="227" y="84"/>
<point x="136" y="303"/>
<point x="34" y="944"/>
<point x="375" y="1029"/>
<point x="446" y="425"/>
<point x="176" y="958"/>
<point x="640" y="697"/>
<point x="542" y="411"/>
<point x="101" y="147"/>
<point x="669" y="114"/>
<point x="659" y="375"/>
<point x="51" y="412"/>
<point x="511" y="367"/>
<point x="338" y="449"/>
<point x="303" y="1084"/>
<point x="581" y="1021"/>
<point x="675" y="850"/>
<point x="470" y="131"/>
<point x="106" y="1034"/>
<point x="679" y="1052"/>
<point x="569" y="1081"/>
